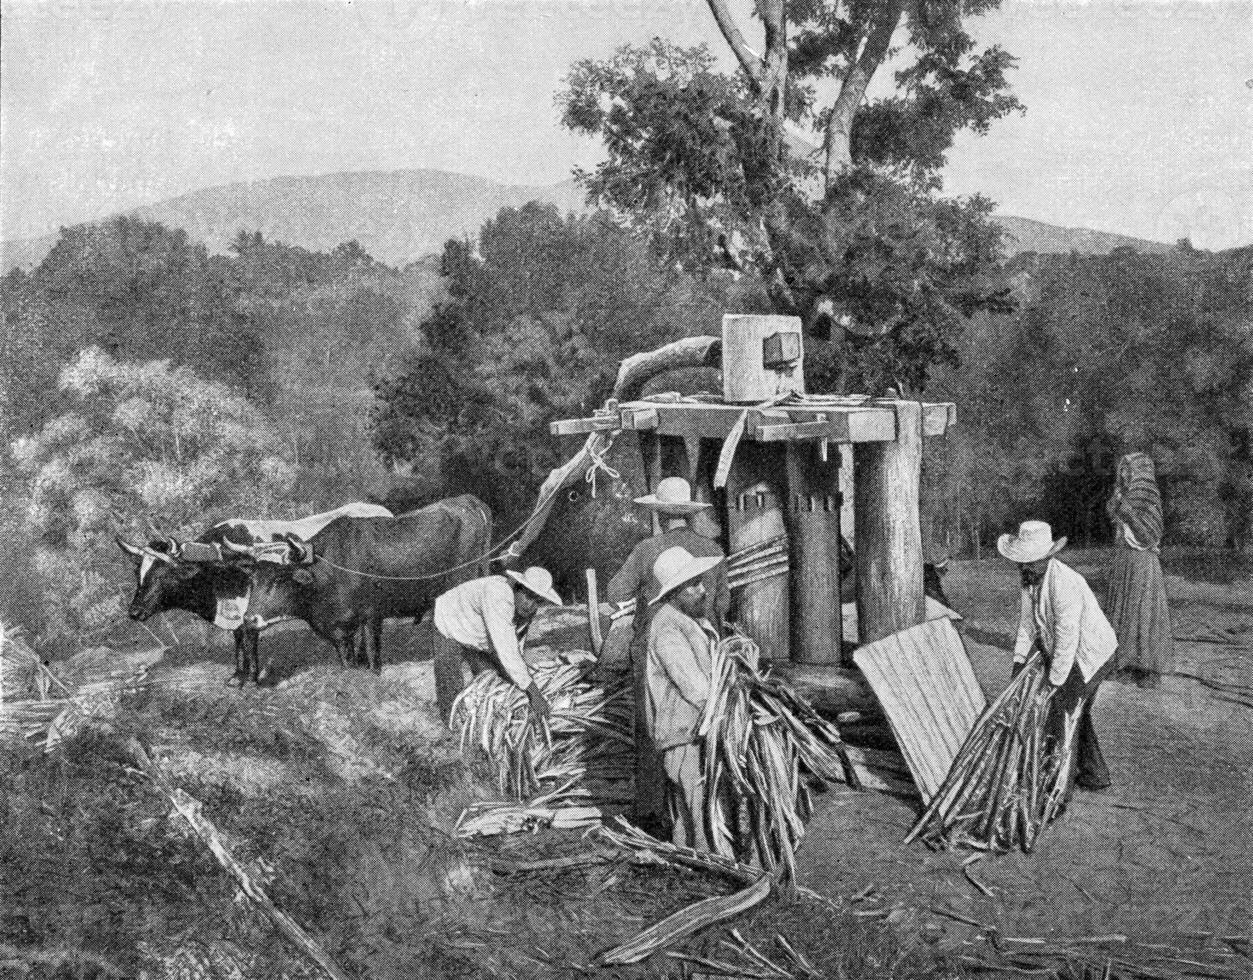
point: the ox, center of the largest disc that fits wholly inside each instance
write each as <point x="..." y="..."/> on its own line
<point x="356" y="572"/>
<point x="195" y="576"/>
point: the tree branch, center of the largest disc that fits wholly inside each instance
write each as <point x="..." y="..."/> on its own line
<point x="774" y="77"/>
<point x="836" y="143"/>
<point x="750" y="62"/>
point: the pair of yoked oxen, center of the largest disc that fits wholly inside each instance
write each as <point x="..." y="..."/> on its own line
<point x="342" y="572"/>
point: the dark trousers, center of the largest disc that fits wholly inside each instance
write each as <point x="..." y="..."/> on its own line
<point x="1090" y="771"/>
<point x="650" y="772"/>
<point x="449" y="656"/>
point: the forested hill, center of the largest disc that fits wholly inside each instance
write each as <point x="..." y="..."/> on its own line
<point x="404" y="215"/>
<point x="397" y="217"/>
<point x="1025" y="235"/>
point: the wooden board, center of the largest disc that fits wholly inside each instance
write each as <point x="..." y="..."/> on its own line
<point x="714" y="420"/>
<point x="923" y="679"/>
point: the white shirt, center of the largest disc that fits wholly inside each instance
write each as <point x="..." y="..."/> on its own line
<point x="1063" y="614"/>
<point x="479" y="614"/>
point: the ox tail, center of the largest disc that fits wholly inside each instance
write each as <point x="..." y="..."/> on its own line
<point x="483" y="539"/>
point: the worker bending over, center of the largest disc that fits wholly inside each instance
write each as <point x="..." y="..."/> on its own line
<point x="1060" y="616"/>
<point x="483" y="622"/>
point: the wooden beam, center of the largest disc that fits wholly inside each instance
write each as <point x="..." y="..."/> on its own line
<point x="576" y="427"/>
<point x="937" y="417"/>
<point x="889" y="536"/>
<point x="706" y="421"/>
<point x="639" y="419"/>
<point x="712" y="420"/>
<point x="836" y="430"/>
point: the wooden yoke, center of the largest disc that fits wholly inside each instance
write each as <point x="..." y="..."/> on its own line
<point x="889" y="536"/>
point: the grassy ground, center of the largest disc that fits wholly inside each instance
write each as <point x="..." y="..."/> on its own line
<point x="341" y="790"/>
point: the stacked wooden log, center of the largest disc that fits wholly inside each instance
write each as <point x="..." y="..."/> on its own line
<point x="1010" y="779"/>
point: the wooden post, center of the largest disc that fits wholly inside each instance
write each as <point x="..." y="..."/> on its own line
<point x="889" y="540"/>
<point x="650" y="449"/>
<point x="814" y="534"/>
<point x="754" y="516"/>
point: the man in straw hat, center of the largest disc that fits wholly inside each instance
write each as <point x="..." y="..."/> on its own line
<point x="483" y="622"/>
<point x="635" y="582"/>
<point x="1061" y="618"/>
<point x="677" y="685"/>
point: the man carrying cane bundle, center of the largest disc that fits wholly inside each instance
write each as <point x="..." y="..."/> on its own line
<point x="1061" y="618"/>
<point x="636" y="583"/>
<point x="677" y="685"/>
<point x="483" y="622"/>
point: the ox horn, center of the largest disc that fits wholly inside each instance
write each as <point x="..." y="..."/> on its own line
<point x="942" y="564"/>
<point x="239" y="549"/>
<point x="131" y="549"/>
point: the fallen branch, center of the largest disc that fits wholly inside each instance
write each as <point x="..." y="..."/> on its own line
<point x="190" y="810"/>
<point x="686" y="921"/>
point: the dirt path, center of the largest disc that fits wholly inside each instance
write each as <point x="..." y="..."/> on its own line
<point x="1167" y="851"/>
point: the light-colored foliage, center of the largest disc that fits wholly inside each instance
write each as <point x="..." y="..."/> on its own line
<point x="143" y="449"/>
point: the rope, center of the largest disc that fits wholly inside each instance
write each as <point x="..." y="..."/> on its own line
<point x="598" y="463"/>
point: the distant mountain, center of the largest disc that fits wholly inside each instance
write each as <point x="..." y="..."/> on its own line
<point x="400" y="216"/>
<point x="1025" y="235"/>
<point x="397" y="217"/>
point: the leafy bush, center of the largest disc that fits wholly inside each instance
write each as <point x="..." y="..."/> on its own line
<point x="142" y="448"/>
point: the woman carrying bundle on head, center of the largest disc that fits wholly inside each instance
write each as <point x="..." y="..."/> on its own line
<point x="1136" y="597"/>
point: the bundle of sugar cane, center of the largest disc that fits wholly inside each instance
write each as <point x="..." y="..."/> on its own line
<point x="757" y="733"/>
<point x="1009" y="780"/>
<point x="566" y="808"/>
<point x="587" y="738"/>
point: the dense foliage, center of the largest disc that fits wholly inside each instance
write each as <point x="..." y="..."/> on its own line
<point x="788" y="170"/>
<point x="1110" y="354"/>
<point x="142" y="448"/>
<point x="441" y="380"/>
<point x="537" y="318"/>
<point x="269" y="347"/>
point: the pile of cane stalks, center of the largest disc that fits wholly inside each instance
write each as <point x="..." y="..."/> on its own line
<point x="567" y="771"/>
<point x="577" y="768"/>
<point x="1009" y="780"/>
<point x="42" y="703"/>
<point x="757" y="733"/>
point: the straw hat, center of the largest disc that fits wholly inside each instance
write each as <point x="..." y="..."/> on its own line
<point x="1033" y="542"/>
<point x="675" y="567"/>
<point x="538" y="581"/>
<point x="673" y="496"/>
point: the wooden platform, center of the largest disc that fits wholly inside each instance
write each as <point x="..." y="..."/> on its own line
<point x="850" y="420"/>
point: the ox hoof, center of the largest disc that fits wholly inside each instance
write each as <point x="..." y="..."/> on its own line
<point x="236" y="680"/>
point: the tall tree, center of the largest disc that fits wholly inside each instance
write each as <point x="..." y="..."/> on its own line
<point x="789" y="167"/>
<point x="538" y="317"/>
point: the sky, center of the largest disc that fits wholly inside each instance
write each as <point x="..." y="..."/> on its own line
<point x="1139" y="112"/>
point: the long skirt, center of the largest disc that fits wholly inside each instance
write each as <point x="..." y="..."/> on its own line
<point x="1139" y="614"/>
